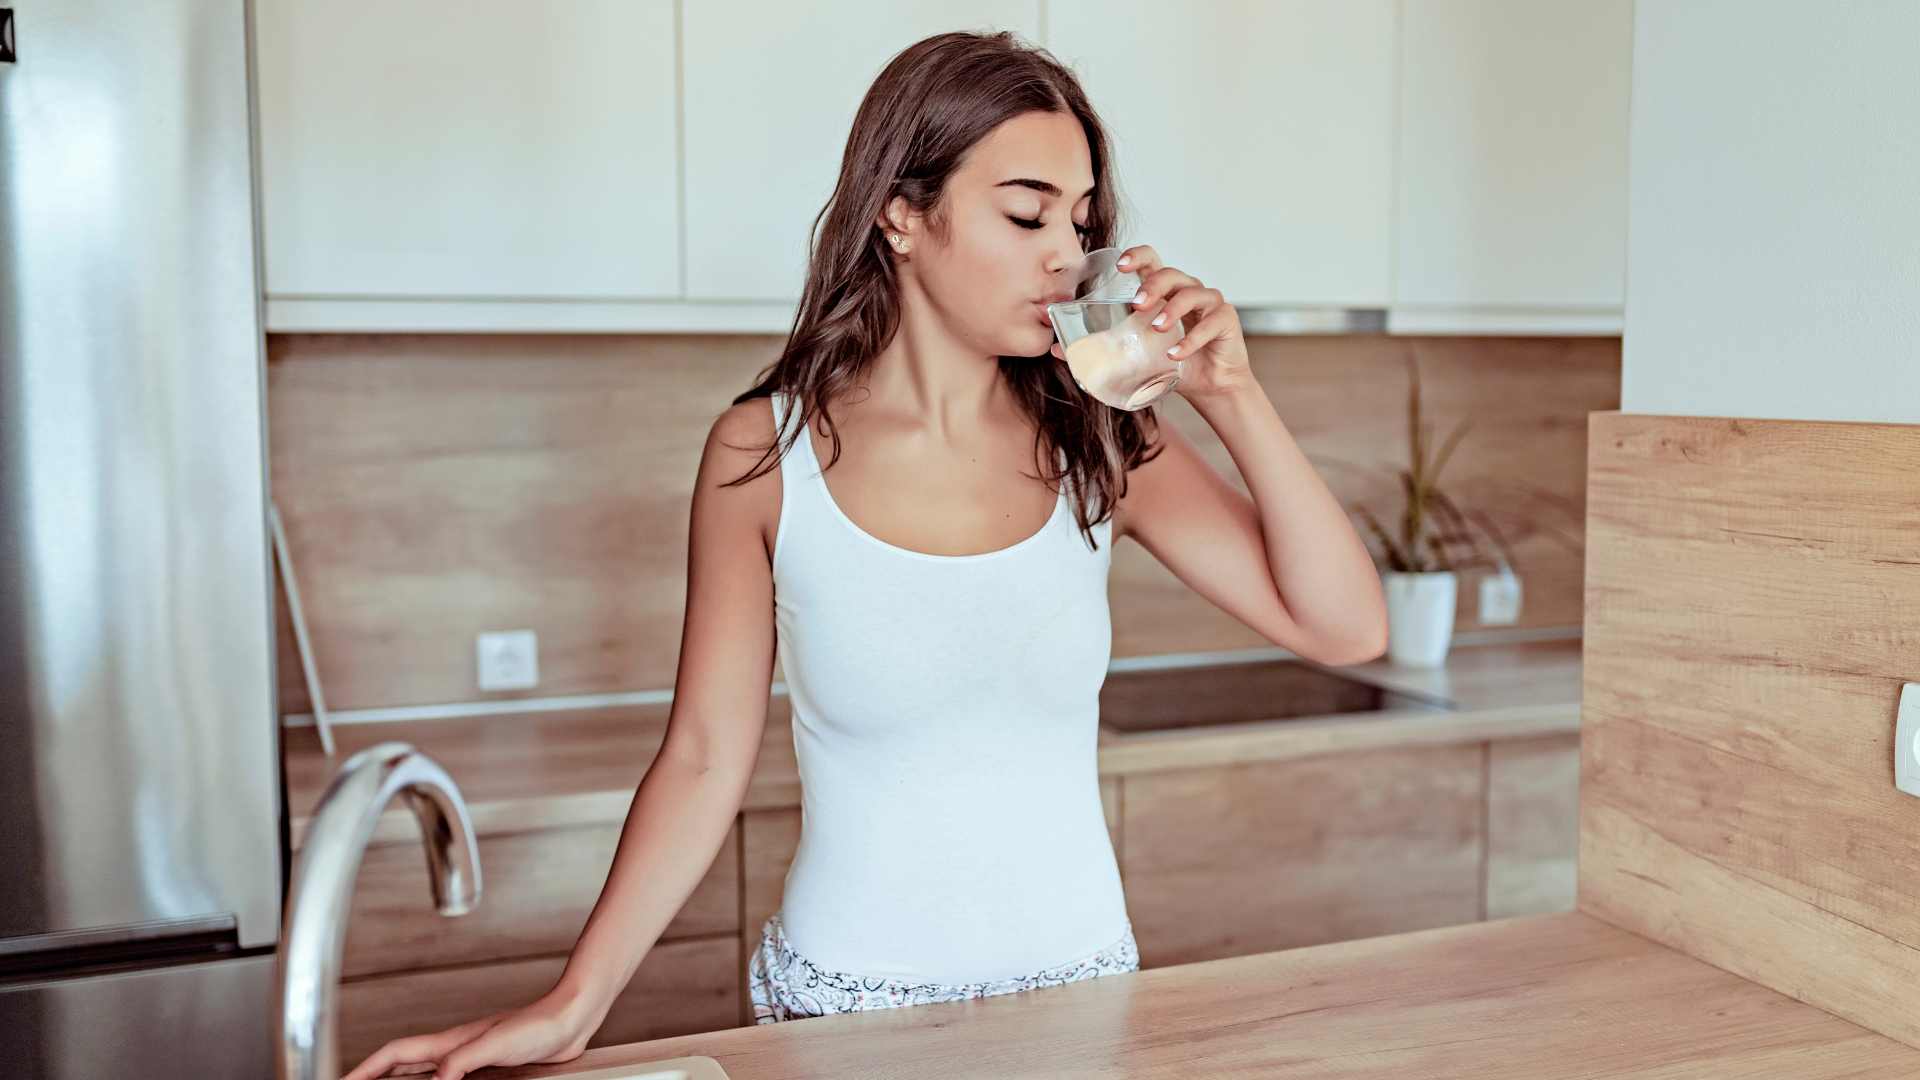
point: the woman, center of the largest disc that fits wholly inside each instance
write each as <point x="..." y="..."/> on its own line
<point x="940" y="616"/>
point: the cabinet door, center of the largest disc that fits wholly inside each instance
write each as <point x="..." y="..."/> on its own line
<point x="1275" y="855"/>
<point x="680" y="988"/>
<point x="539" y="889"/>
<point x="768" y="840"/>
<point x="1513" y="154"/>
<point x="1253" y="142"/>
<point x="1533" y="825"/>
<point x="432" y="149"/>
<point x="771" y="90"/>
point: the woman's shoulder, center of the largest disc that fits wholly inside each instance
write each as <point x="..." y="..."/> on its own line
<point x="749" y="421"/>
<point x="736" y="447"/>
<point x="742" y="432"/>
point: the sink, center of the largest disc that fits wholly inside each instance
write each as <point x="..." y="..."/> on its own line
<point x="1165" y="699"/>
<point x="680" y="1068"/>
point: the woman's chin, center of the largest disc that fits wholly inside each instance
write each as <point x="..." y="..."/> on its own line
<point x="1036" y="342"/>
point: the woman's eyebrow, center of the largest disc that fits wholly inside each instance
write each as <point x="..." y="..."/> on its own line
<point x="1038" y="185"/>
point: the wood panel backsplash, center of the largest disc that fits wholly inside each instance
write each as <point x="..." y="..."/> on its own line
<point x="1753" y="607"/>
<point x="435" y="486"/>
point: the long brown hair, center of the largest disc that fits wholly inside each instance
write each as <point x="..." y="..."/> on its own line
<point x="927" y="108"/>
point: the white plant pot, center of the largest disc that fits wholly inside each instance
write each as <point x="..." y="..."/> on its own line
<point x="1419" y="616"/>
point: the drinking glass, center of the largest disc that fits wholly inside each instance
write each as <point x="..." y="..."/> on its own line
<point x="1113" y="352"/>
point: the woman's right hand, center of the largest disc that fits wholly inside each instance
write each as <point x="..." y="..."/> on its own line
<point x="550" y="1030"/>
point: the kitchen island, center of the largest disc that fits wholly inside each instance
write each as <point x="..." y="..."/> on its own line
<point x="1532" y="998"/>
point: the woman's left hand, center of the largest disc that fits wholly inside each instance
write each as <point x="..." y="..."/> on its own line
<point x="1213" y="351"/>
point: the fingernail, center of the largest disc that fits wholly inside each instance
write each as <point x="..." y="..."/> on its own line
<point x="1160" y="320"/>
<point x="1175" y="351"/>
<point x="1125" y="260"/>
<point x="1140" y="297"/>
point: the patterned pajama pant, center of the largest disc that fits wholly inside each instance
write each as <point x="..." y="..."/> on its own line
<point x="786" y="986"/>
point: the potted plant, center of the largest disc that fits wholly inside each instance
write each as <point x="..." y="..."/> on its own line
<point x="1436" y="539"/>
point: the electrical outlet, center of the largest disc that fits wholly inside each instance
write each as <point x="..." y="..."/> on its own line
<point x="1906" y="741"/>
<point x="508" y="659"/>
<point x="1500" y="599"/>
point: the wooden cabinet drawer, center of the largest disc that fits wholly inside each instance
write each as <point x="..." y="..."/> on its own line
<point x="1275" y="855"/>
<point x="681" y="988"/>
<point x="537" y="889"/>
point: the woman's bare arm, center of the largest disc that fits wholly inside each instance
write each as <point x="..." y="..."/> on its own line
<point x="688" y="797"/>
<point x="687" y="801"/>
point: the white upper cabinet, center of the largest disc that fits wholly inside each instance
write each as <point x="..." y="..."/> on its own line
<point x="1253" y="141"/>
<point x="1512" y="188"/>
<point x="636" y="165"/>
<point x="433" y="151"/>
<point x="771" y="91"/>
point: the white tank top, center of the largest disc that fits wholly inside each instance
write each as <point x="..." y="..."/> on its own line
<point x="945" y="712"/>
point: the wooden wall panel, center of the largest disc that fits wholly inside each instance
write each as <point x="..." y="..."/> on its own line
<point x="435" y="486"/>
<point x="1753" y="606"/>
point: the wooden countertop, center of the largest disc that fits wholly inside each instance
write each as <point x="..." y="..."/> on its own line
<point x="1547" y="996"/>
<point x="522" y="771"/>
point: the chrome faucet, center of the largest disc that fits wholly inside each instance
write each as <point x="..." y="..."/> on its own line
<point x="314" y="928"/>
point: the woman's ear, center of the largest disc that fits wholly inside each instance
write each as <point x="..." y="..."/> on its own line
<point x="895" y="225"/>
<point x="897" y="216"/>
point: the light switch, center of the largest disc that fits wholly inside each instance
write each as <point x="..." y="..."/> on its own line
<point x="508" y="659"/>
<point x="1906" y="741"/>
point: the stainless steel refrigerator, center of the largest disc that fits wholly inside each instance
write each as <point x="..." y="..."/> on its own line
<point x="142" y="835"/>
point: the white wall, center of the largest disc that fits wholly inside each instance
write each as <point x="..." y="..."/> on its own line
<point x="1773" y="238"/>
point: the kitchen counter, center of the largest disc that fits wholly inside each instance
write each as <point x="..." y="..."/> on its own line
<point x="1546" y="996"/>
<point x="521" y="771"/>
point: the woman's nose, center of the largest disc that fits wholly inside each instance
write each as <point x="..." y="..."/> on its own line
<point x="1065" y="255"/>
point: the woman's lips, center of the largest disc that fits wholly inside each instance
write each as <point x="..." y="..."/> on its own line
<point x="1041" y="311"/>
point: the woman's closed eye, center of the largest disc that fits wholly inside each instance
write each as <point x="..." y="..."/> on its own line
<point x="1036" y="223"/>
